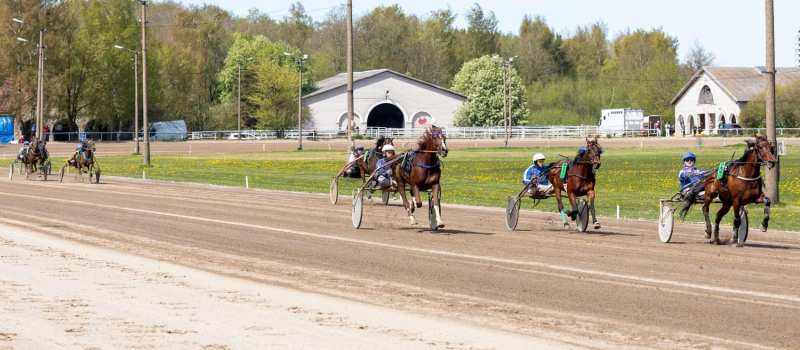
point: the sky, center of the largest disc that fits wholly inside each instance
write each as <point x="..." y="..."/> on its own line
<point x="734" y="30"/>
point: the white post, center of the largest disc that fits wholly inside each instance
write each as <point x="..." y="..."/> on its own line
<point x="246" y="182"/>
<point x="723" y="142"/>
<point x="190" y="149"/>
<point x="641" y="144"/>
<point x="618" y="212"/>
<point x="263" y="147"/>
<point x="143" y="175"/>
<point x="329" y="147"/>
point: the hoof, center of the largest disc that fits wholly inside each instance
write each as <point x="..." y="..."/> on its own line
<point x="763" y="228"/>
<point x="440" y="225"/>
<point x="737" y="245"/>
<point x="716" y="242"/>
<point x="566" y="225"/>
<point x="414" y="221"/>
<point x="708" y="235"/>
<point x="596" y="225"/>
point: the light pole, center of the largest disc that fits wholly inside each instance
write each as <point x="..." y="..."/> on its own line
<point x="510" y="63"/>
<point x="40" y="80"/>
<point x="145" y="126"/>
<point x="774" y="174"/>
<point x="239" y="65"/>
<point x="135" y="96"/>
<point x="503" y="72"/>
<point x="299" y="62"/>
<point x="350" y="143"/>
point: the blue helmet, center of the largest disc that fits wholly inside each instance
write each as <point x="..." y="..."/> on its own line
<point x="359" y="147"/>
<point x="26" y="143"/>
<point x="689" y="155"/>
<point x="582" y="149"/>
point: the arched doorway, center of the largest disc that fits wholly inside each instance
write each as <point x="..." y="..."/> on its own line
<point x="682" y="124"/>
<point x="421" y="120"/>
<point x="733" y="119"/>
<point x="721" y="119"/>
<point x="690" y="130"/>
<point x="385" y="115"/>
<point x="343" y="120"/>
<point x="63" y="130"/>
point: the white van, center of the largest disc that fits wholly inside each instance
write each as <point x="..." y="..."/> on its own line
<point x="172" y="130"/>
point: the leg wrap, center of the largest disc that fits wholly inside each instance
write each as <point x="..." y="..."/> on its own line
<point x="563" y="217"/>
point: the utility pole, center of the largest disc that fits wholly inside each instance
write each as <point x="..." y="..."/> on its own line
<point x="505" y="106"/>
<point x="300" y="106"/>
<point x="510" y="63"/>
<point x="40" y="107"/>
<point x="145" y="126"/>
<point x="350" y="125"/>
<point x="239" y="102"/>
<point x="135" y="96"/>
<point x="773" y="175"/>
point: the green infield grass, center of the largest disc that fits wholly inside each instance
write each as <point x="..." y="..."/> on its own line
<point x="632" y="178"/>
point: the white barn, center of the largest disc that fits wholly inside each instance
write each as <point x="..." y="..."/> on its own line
<point x="382" y="98"/>
<point x="716" y="95"/>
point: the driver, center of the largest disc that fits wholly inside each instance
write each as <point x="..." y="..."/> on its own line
<point x="537" y="170"/>
<point x="689" y="174"/>
<point x="24" y="148"/>
<point x="353" y="171"/>
<point x="385" y="174"/>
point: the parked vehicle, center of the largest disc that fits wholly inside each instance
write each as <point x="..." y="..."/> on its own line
<point x="246" y="135"/>
<point x="726" y="129"/>
<point x="620" y="121"/>
<point x="172" y="130"/>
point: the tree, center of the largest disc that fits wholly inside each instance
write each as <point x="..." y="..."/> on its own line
<point x="274" y="96"/>
<point x="698" y="57"/>
<point x="587" y="50"/>
<point x="481" y="80"/>
<point x="482" y="36"/>
<point x="787" y="98"/>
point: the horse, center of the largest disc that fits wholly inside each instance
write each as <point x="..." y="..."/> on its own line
<point x="84" y="160"/>
<point x="580" y="180"/>
<point x="367" y="162"/>
<point x="740" y="184"/>
<point x="421" y="170"/>
<point x="33" y="157"/>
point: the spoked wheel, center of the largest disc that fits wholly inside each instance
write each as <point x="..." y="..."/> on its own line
<point x="358" y="208"/>
<point x="11" y="171"/>
<point x="385" y="197"/>
<point x="583" y="215"/>
<point x="45" y="171"/>
<point x="512" y="212"/>
<point x="97" y="176"/>
<point x="666" y="222"/>
<point x="334" y="190"/>
<point x="61" y="174"/>
<point x="743" y="228"/>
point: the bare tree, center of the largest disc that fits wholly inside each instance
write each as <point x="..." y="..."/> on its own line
<point x="697" y="58"/>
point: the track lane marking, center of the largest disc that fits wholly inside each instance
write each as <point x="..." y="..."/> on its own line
<point x="432" y="251"/>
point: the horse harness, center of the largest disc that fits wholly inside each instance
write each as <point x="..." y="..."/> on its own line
<point x="723" y="172"/>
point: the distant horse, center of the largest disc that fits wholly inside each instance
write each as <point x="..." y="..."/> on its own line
<point x="740" y="184"/>
<point x="367" y="161"/>
<point x="580" y="180"/>
<point x="421" y="170"/>
<point x="33" y="157"/>
<point x="84" y="160"/>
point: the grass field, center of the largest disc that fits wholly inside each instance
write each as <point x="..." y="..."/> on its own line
<point x="633" y="178"/>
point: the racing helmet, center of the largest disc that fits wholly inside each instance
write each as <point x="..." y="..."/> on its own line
<point x="689" y="155"/>
<point x="78" y="147"/>
<point x="538" y="156"/>
<point x="26" y="143"/>
<point x="388" y="148"/>
<point x="359" y="147"/>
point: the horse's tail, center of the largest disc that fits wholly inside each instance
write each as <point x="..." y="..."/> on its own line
<point x="689" y="200"/>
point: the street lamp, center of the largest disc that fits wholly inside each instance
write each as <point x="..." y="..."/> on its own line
<point x="40" y="82"/>
<point x="239" y="65"/>
<point x="135" y="95"/>
<point x="299" y="62"/>
<point x="503" y="72"/>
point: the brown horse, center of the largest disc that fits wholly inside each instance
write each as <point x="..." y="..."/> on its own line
<point x="740" y="185"/>
<point x="84" y="160"/>
<point x="33" y="157"/>
<point x="580" y="179"/>
<point x="367" y="161"/>
<point x="421" y="170"/>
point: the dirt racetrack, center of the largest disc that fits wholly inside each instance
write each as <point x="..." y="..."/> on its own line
<point x="149" y="264"/>
<point x="63" y="149"/>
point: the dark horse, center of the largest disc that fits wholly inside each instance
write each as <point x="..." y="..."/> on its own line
<point x="34" y="157"/>
<point x="739" y="185"/>
<point x="421" y="169"/>
<point x="580" y="180"/>
<point x="367" y="161"/>
<point x="84" y="160"/>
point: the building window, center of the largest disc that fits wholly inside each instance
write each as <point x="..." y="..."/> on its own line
<point x="706" y="98"/>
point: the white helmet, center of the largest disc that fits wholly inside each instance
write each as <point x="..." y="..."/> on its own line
<point x="538" y="156"/>
<point x="388" y="148"/>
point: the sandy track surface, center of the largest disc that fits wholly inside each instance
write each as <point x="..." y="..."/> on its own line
<point x="471" y="285"/>
<point x="60" y="149"/>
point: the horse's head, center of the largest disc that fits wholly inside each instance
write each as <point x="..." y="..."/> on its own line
<point x="593" y="152"/>
<point x="438" y="139"/>
<point x="763" y="149"/>
<point x="387" y="141"/>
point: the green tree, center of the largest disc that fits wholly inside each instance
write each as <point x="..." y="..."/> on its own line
<point x="787" y="114"/>
<point x="481" y="80"/>
<point x="587" y="49"/>
<point x="482" y="36"/>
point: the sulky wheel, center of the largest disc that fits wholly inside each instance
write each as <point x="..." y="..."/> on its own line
<point x="666" y="222"/>
<point x="432" y="214"/>
<point x="334" y="190"/>
<point x="512" y="212"/>
<point x="357" y="211"/>
<point x="61" y="174"/>
<point x="11" y="171"/>
<point x="743" y="228"/>
<point x="583" y="215"/>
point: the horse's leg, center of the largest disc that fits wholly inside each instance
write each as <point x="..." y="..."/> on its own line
<point x="706" y="210"/>
<point x="737" y="221"/>
<point x="720" y="214"/>
<point x="590" y="195"/>
<point x="410" y="210"/>
<point x="767" y="202"/>
<point x="573" y="214"/>
<point x="560" y="205"/>
<point x="437" y="206"/>
<point x="417" y="199"/>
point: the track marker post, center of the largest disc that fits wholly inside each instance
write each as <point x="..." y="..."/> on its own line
<point x="618" y="212"/>
<point x="143" y="175"/>
<point x="641" y="144"/>
<point x="329" y="147"/>
<point x="263" y="147"/>
<point x="190" y="149"/>
<point x="246" y="182"/>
